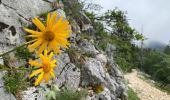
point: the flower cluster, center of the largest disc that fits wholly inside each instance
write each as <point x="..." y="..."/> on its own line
<point x="48" y="40"/>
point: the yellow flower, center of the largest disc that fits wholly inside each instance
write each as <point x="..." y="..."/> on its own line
<point x="45" y="68"/>
<point x="51" y="37"/>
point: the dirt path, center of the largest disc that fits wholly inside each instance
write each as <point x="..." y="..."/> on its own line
<point x="145" y="90"/>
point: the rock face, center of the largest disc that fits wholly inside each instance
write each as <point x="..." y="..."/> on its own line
<point x="94" y="72"/>
<point x="14" y="15"/>
<point x="84" y="66"/>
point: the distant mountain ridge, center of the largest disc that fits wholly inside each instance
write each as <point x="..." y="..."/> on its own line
<point x="157" y="45"/>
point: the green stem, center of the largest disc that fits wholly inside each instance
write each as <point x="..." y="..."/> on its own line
<point x="12" y="50"/>
<point x="14" y="69"/>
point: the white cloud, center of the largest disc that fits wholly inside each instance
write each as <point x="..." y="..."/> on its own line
<point x="153" y="15"/>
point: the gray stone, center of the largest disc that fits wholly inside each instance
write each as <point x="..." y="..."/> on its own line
<point x="88" y="48"/>
<point x="75" y="27"/>
<point x="61" y="13"/>
<point x="87" y="27"/>
<point x="92" y="72"/>
<point x="13" y="15"/>
<point x="69" y="78"/>
<point x="1" y="61"/>
<point x="67" y="73"/>
<point x="9" y="29"/>
<point x="102" y="58"/>
<point x="31" y="94"/>
<point x="28" y="8"/>
<point x="104" y="95"/>
<point x="85" y="19"/>
<point x="115" y="71"/>
<point x="10" y="60"/>
<point x="110" y="50"/>
<point x="62" y="60"/>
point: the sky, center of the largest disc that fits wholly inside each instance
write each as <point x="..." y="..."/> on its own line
<point x="152" y="15"/>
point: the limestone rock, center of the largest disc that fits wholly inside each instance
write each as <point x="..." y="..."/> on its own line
<point x="88" y="48"/>
<point x="102" y="58"/>
<point x="27" y="8"/>
<point x="14" y="15"/>
<point x="62" y="60"/>
<point x="110" y="50"/>
<point x="105" y="95"/>
<point x="92" y="72"/>
<point x="32" y="94"/>
<point x="69" y="78"/>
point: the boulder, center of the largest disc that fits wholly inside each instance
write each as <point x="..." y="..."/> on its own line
<point x="92" y="72"/>
<point x="69" y="78"/>
<point x="88" y="48"/>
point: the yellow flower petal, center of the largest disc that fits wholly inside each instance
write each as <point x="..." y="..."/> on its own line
<point x="34" y="45"/>
<point x="52" y="74"/>
<point x="53" y="62"/>
<point x="51" y="55"/>
<point x="36" y="72"/>
<point x="53" y="65"/>
<point x="45" y="53"/>
<point x="31" y="41"/>
<point x="42" y="58"/>
<point x="46" y="67"/>
<point x="39" y="79"/>
<point x="32" y="31"/>
<point x="38" y="23"/>
<point x="46" y="77"/>
<point x="42" y="47"/>
<point x="31" y="36"/>
<point x="54" y="46"/>
<point x="53" y="17"/>
<point x="34" y="63"/>
<point x="53" y="36"/>
<point x="57" y="23"/>
<point x="48" y="21"/>
<point x="62" y="42"/>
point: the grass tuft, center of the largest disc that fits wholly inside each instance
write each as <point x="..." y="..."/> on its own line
<point x="132" y="95"/>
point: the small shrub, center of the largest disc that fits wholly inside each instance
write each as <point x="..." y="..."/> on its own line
<point x="71" y="95"/>
<point x="98" y="88"/>
<point x="23" y="53"/>
<point x="15" y="82"/>
<point x="132" y="95"/>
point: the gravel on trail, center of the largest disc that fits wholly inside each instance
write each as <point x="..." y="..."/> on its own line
<point x="144" y="89"/>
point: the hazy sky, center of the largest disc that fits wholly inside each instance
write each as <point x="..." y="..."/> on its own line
<point x="153" y="15"/>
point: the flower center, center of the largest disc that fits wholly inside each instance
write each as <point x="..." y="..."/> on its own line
<point x="46" y="68"/>
<point x="48" y="36"/>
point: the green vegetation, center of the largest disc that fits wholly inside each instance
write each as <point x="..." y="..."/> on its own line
<point x="113" y="28"/>
<point x="120" y="34"/>
<point x="71" y="95"/>
<point x="15" y="82"/>
<point x="156" y="64"/>
<point x="165" y="88"/>
<point x="54" y="93"/>
<point x="73" y="9"/>
<point x="98" y="88"/>
<point x="23" y="53"/>
<point x="132" y="95"/>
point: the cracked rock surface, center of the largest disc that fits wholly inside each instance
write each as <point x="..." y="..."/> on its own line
<point x="14" y="15"/>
